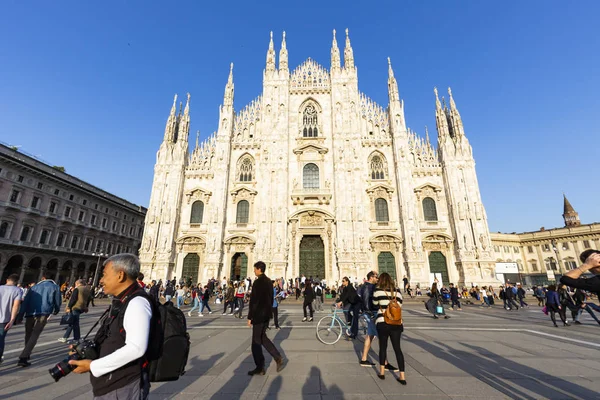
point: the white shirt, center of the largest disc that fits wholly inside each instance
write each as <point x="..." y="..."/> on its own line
<point x="180" y="292"/>
<point x="136" y="323"/>
<point x="483" y="293"/>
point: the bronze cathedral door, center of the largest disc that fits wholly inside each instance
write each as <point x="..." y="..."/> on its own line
<point x="312" y="257"/>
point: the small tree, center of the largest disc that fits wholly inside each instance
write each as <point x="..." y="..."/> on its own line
<point x="59" y="168"/>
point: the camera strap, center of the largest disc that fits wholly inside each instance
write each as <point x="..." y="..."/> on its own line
<point x="97" y="322"/>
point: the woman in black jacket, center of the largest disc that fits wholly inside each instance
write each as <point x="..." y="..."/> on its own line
<point x="309" y="296"/>
<point x="351" y="302"/>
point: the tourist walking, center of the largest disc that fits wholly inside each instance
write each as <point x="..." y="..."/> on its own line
<point x="205" y="298"/>
<point x="553" y="305"/>
<point x="566" y="301"/>
<point x="454" y="297"/>
<point x="228" y="299"/>
<point x="435" y="305"/>
<point x="10" y="301"/>
<point x="275" y="305"/>
<point x="350" y="301"/>
<point x="196" y="298"/>
<point x="318" y="297"/>
<point x="260" y="311"/>
<point x="169" y="291"/>
<point x="389" y="323"/>
<point x="309" y="296"/>
<point x="538" y="292"/>
<point x="521" y="295"/>
<point x="240" y="294"/>
<point x="78" y="304"/>
<point x="510" y="294"/>
<point x="41" y="301"/>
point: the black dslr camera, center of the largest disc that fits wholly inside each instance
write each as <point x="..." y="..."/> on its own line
<point x="83" y="350"/>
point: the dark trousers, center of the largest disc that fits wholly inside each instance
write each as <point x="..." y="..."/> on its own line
<point x="522" y="301"/>
<point x="204" y="305"/>
<point x="2" y="339"/>
<point x="74" y="326"/>
<point x="354" y="310"/>
<point x="393" y="332"/>
<point x="310" y="308"/>
<point x="512" y="303"/>
<point x="455" y="301"/>
<point x="260" y="339"/>
<point x="228" y="304"/>
<point x="33" y="329"/>
<point x="276" y="316"/>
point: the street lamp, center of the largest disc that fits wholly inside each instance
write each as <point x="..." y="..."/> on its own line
<point x="555" y="248"/>
<point x="97" y="268"/>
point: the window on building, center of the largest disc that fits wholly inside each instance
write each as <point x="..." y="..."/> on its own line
<point x="570" y="264"/>
<point x="116" y="213"/>
<point x="381" y="210"/>
<point x="506" y="249"/>
<point x="546" y="247"/>
<point x="56" y="192"/>
<point x="84" y="202"/>
<point x="110" y="248"/>
<point x="96" y="206"/>
<point x="87" y="244"/>
<point x="40" y="185"/>
<point x="565" y="245"/>
<point x="551" y="265"/>
<point x="127" y="249"/>
<point x="243" y="212"/>
<point x="497" y="249"/>
<point x="44" y="236"/>
<point x="114" y="225"/>
<point x="81" y="215"/>
<point x="60" y="239"/>
<point x="93" y="220"/>
<point x="71" y="197"/>
<point x="245" y="167"/>
<point x="123" y="227"/>
<point x="139" y="232"/>
<point x="515" y="249"/>
<point x="530" y="249"/>
<point x="20" y="178"/>
<point x="4" y="229"/>
<point x="310" y="122"/>
<point x="106" y="210"/>
<point x="52" y="207"/>
<point x="74" y="242"/>
<point x="67" y="211"/>
<point x="118" y="249"/>
<point x="131" y="230"/>
<point x="377" y="167"/>
<point x="99" y="245"/>
<point x="104" y="222"/>
<point x="586" y="244"/>
<point x="25" y="234"/>
<point x="429" y="209"/>
<point x="310" y="176"/>
<point x="14" y="196"/>
<point x="35" y="202"/>
<point x="197" y="212"/>
<point x="534" y="266"/>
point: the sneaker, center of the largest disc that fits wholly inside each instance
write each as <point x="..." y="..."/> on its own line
<point x="366" y="363"/>
<point x="210" y="312"/>
<point x="578" y="323"/>
<point x="257" y="371"/>
<point x="230" y="313"/>
<point x="189" y="314"/>
<point x="201" y="315"/>
<point x="23" y="362"/>
<point x="237" y="309"/>
<point x="62" y="340"/>
<point x="280" y="364"/>
<point x="224" y="314"/>
<point x="304" y="319"/>
<point x="446" y="316"/>
<point x="390" y="367"/>
<point x="310" y="319"/>
<point x="460" y="309"/>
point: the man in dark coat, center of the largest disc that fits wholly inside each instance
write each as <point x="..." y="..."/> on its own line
<point x="454" y="296"/>
<point x="260" y="311"/>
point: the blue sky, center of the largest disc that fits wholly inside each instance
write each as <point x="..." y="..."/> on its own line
<point x="88" y="85"/>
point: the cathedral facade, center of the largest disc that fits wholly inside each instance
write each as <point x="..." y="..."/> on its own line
<point x="316" y="179"/>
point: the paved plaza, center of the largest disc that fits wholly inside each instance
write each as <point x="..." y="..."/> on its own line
<point x="478" y="354"/>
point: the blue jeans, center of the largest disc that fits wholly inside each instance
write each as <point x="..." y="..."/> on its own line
<point x="196" y="304"/>
<point x="204" y="305"/>
<point x="168" y="298"/>
<point x="2" y="338"/>
<point x="179" y="301"/>
<point x="74" y="326"/>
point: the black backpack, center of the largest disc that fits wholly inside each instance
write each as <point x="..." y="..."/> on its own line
<point x="169" y="341"/>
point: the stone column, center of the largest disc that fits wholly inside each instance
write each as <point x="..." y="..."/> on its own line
<point x="86" y="273"/>
<point x="72" y="276"/>
<point x="57" y="273"/>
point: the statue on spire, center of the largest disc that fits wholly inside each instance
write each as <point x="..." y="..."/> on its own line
<point x="271" y="56"/>
<point x="335" y="55"/>
<point x="392" y="84"/>
<point x="283" y="56"/>
<point x="171" y="122"/>
<point x="228" y="97"/>
<point x="348" y="53"/>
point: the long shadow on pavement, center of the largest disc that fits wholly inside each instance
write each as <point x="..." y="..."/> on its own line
<point x="195" y="367"/>
<point x="308" y="392"/>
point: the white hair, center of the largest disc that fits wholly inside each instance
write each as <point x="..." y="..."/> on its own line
<point x="128" y="263"/>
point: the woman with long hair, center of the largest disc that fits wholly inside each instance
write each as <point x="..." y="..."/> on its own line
<point x="309" y="296"/>
<point x="553" y="305"/>
<point x="240" y="293"/>
<point x="435" y="305"/>
<point x="196" y="298"/>
<point x="384" y="293"/>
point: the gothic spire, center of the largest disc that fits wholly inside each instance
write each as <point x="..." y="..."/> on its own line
<point x="183" y="130"/>
<point x="271" y="56"/>
<point x="283" y="56"/>
<point x="441" y="121"/>
<point x="348" y="53"/>
<point x="570" y="216"/>
<point x="171" y="122"/>
<point x="197" y="138"/>
<point x="456" y="120"/>
<point x="392" y="84"/>
<point x="228" y="97"/>
<point x="335" y="54"/>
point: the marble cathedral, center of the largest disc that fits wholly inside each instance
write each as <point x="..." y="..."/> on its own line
<point x="316" y="179"/>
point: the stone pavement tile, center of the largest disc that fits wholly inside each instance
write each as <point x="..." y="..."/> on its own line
<point x="554" y="388"/>
<point x="235" y="384"/>
<point x="185" y="384"/>
<point x="415" y="386"/>
<point x="435" y="363"/>
<point x="32" y="386"/>
<point x="417" y="397"/>
<point x="465" y="386"/>
<point x="288" y="396"/>
<point x="341" y="385"/>
<point x="310" y="385"/>
<point x="352" y="397"/>
<point x="337" y="357"/>
<point x="84" y="396"/>
<point x="294" y="368"/>
<point x="536" y="367"/>
<point x="171" y="396"/>
<point x="226" y="396"/>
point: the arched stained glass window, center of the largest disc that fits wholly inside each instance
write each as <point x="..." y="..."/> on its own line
<point x="310" y="121"/>
<point x="429" y="209"/>
<point x="381" y="210"/>
<point x="197" y="212"/>
<point x="377" y="168"/>
<point x="310" y="176"/>
<point x="243" y="211"/>
<point x="245" y="170"/>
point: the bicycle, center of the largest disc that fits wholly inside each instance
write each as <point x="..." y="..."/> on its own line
<point x="331" y="327"/>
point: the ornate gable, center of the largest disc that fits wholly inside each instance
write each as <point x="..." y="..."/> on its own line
<point x="428" y="190"/>
<point x="310" y="77"/>
<point x="198" y="194"/>
<point x="243" y="193"/>
<point x="380" y="190"/>
<point x="307" y="148"/>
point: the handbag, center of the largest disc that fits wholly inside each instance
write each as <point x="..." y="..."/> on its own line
<point x="439" y="309"/>
<point x="545" y="310"/>
<point x="66" y="319"/>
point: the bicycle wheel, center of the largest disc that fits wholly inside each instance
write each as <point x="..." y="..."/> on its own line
<point x="329" y="330"/>
<point x="362" y="329"/>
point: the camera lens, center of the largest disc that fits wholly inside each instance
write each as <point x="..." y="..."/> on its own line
<point x="63" y="368"/>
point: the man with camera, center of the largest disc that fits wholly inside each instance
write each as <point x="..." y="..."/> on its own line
<point x="121" y="342"/>
<point x="591" y="262"/>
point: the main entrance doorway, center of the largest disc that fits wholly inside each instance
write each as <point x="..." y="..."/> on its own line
<point x="239" y="266"/>
<point x="312" y="256"/>
<point x="191" y="264"/>
<point x="438" y="268"/>
<point x="387" y="263"/>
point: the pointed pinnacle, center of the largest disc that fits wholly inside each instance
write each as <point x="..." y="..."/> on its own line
<point x="230" y="78"/>
<point x="271" y="46"/>
<point x="283" y="42"/>
<point x="187" y="104"/>
<point x="390" y="70"/>
<point x="197" y="137"/>
<point x="347" y="38"/>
